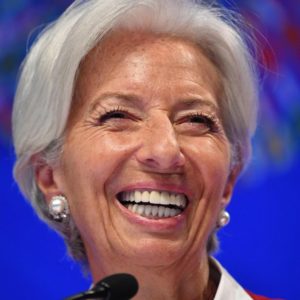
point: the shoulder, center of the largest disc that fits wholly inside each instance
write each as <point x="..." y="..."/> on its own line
<point x="258" y="297"/>
<point x="229" y="288"/>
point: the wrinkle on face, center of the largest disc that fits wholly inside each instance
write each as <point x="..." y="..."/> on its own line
<point x="159" y="80"/>
<point x="118" y="50"/>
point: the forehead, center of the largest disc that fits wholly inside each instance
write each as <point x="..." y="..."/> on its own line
<point x="145" y="53"/>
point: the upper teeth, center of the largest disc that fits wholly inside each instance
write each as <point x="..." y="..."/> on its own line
<point x="155" y="197"/>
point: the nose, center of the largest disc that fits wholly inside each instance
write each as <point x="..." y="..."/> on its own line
<point x="160" y="149"/>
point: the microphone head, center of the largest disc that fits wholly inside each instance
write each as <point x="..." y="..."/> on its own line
<point x="121" y="286"/>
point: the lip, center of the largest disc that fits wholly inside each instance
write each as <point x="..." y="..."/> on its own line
<point x="155" y="225"/>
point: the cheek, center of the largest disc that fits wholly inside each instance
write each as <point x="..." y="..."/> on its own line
<point x="88" y="162"/>
<point x="211" y="160"/>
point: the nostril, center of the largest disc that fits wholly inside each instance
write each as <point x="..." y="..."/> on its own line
<point x="164" y="162"/>
<point x="151" y="162"/>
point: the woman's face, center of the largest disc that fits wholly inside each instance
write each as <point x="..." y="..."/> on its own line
<point x="146" y="162"/>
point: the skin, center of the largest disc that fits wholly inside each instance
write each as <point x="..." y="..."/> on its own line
<point x="154" y="139"/>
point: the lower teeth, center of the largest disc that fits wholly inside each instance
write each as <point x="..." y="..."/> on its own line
<point x="153" y="211"/>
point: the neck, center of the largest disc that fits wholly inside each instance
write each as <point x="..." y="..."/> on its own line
<point x="164" y="284"/>
<point x="183" y="281"/>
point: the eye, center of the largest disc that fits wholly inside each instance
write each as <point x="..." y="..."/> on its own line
<point x="202" y="119"/>
<point x="197" y="118"/>
<point x="201" y="122"/>
<point x="113" y="114"/>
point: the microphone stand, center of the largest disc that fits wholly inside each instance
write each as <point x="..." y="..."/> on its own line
<point x="114" y="287"/>
<point x="101" y="292"/>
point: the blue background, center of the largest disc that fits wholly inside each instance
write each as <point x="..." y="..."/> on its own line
<point x="260" y="247"/>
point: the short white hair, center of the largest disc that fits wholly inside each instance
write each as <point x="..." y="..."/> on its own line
<point x="48" y="76"/>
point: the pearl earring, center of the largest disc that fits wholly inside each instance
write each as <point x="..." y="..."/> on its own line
<point x="59" y="208"/>
<point x="224" y="219"/>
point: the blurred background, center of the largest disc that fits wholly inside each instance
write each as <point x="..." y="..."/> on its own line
<point x="260" y="247"/>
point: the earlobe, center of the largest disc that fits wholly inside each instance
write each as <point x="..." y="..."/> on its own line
<point x="45" y="179"/>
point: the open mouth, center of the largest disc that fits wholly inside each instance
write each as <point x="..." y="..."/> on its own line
<point x="153" y="204"/>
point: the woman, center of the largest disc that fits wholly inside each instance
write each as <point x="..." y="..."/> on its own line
<point x="132" y="122"/>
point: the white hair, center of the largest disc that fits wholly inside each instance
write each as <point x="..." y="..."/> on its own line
<point x="48" y="75"/>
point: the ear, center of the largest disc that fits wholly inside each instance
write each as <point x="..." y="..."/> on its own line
<point x="231" y="181"/>
<point x="46" y="178"/>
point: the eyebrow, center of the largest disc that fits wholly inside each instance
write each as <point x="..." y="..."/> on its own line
<point x="194" y="102"/>
<point x="125" y="98"/>
<point x="134" y="100"/>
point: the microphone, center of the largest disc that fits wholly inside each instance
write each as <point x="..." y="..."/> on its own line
<point x="115" y="287"/>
